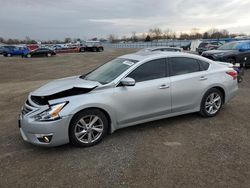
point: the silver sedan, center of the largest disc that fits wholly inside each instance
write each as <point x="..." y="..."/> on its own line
<point x="128" y="90"/>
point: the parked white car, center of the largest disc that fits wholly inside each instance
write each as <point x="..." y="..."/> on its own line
<point x="162" y="49"/>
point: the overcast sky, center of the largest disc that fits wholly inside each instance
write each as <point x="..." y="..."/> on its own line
<point x="57" y="19"/>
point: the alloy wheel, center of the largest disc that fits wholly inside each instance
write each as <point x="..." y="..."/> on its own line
<point x="213" y="103"/>
<point x="89" y="129"/>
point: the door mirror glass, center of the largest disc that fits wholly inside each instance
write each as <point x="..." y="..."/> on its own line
<point x="128" y="81"/>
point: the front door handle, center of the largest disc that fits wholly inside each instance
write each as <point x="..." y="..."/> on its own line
<point x="164" y="86"/>
<point x="203" y="78"/>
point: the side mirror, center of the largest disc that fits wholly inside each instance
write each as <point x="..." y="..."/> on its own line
<point x="127" y="81"/>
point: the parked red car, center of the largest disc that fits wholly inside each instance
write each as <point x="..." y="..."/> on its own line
<point x="32" y="47"/>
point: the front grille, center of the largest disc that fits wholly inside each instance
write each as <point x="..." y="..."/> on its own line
<point x="26" y="110"/>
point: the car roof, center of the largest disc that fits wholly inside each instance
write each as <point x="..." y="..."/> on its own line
<point x="147" y="55"/>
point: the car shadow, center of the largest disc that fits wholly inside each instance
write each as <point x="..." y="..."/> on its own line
<point x="167" y="123"/>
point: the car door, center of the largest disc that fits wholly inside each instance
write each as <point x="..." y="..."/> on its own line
<point x="37" y="53"/>
<point x="188" y="82"/>
<point x="150" y="97"/>
<point x="16" y="51"/>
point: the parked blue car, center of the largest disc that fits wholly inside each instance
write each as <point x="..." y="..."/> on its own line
<point x="9" y="51"/>
<point x="232" y="52"/>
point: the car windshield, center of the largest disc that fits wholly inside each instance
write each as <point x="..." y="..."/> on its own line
<point x="229" y="46"/>
<point x="109" y="71"/>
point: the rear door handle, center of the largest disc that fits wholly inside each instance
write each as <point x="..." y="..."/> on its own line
<point x="164" y="86"/>
<point x="203" y="78"/>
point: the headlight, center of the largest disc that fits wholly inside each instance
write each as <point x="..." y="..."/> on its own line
<point x="52" y="113"/>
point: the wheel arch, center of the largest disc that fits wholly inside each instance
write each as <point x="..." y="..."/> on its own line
<point x="222" y="90"/>
<point x="110" y="129"/>
<point x="232" y="57"/>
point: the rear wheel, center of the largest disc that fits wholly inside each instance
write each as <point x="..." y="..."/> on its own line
<point x="94" y="49"/>
<point x="8" y="55"/>
<point x="211" y="103"/>
<point x="100" y="49"/>
<point x="231" y="60"/>
<point x="49" y="55"/>
<point x="28" y="55"/>
<point x="88" y="128"/>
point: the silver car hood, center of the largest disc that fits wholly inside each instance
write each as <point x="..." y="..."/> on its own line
<point x="64" y="84"/>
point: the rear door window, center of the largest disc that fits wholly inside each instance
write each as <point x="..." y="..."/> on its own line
<point x="183" y="65"/>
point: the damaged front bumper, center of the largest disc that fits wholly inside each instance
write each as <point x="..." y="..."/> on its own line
<point x="44" y="133"/>
<point x="50" y="133"/>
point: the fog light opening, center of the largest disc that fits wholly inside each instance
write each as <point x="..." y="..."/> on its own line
<point x="44" y="138"/>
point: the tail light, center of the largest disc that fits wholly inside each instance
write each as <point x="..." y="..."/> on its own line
<point x="233" y="74"/>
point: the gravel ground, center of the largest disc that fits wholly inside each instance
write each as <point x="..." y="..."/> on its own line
<point x="184" y="151"/>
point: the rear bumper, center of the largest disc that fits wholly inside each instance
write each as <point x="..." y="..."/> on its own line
<point x="231" y="91"/>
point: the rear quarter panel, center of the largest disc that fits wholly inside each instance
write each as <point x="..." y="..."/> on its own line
<point x="217" y="77"/>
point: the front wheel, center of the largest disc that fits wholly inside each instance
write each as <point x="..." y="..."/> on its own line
<point x="49" y="55"/>
<point x="211" y="103"/>
<point x="88" y="128"/>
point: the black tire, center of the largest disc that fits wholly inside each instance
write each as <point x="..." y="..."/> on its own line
<point x="231" y="60"/>
<point x="75" y="120"/>
<point x="94" y="49"/>
<point x="82" y="50"/>
<point x="203" y="112"/>
<point x="100" y="49"/>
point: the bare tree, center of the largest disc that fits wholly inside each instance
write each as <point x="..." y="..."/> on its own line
<point x="134" y="37"/>
<point x="67" y="40"/>
<point x="112" y="38"/>
<point x="168" y="33"/>
<point x="155" y="33"/>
